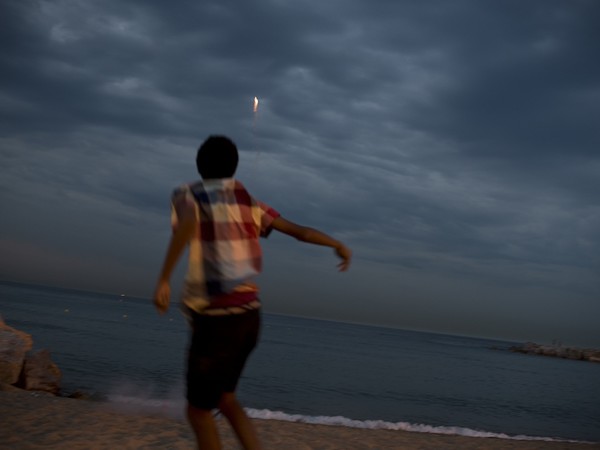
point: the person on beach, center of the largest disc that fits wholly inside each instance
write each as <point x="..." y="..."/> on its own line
<point x="221" y="223"/>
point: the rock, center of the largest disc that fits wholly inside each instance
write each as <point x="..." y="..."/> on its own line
<point x="79" y="395"/>
<point x="19" y="368"/>
<point x="575" y="353"/>
<point x="5" y="387"/>
<point x="40" y="373"/>
<point x="14" y="344"/>
<point x="548" y="351"/>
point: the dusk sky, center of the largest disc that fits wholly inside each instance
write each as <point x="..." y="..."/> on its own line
<point x="453" y="145"/>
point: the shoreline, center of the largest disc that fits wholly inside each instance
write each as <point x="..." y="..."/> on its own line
<point x="35" y="420"/>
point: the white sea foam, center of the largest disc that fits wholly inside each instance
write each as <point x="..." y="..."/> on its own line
<point x="173" y="406"/>
<point x="383" y="425"/>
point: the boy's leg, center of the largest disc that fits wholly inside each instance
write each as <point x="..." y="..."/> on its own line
<point x="240" y="422"/>
<point x="217" y="355"/>
<point x="205" y="428"/>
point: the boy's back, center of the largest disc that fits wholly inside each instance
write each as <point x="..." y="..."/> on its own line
<point x="225" y="253"/>
<point x="221" y="223"/>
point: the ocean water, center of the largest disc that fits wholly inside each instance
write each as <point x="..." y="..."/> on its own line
<point x="119" y="349"/>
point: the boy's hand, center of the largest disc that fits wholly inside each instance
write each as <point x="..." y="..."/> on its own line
<point x="162" y="297"/>
<point x="346" y="255"/>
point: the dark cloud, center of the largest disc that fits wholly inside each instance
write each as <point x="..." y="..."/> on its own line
<point x="453" y="145"/>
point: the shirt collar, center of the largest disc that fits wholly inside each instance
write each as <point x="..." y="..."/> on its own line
<point x="213" y="184"/>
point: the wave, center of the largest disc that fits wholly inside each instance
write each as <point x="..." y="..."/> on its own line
<point x="174" y="408"/>
<point x="398" y="426"/>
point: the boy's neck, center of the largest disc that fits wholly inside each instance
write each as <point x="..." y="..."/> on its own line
<point x="218" y="181"/>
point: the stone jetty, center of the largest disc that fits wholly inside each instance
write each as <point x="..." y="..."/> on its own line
<point x="558" y="351"/>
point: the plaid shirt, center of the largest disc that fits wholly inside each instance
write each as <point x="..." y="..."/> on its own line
<point x="225" y="254"/>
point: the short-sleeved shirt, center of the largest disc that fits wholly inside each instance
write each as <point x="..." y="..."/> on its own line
<point x="224" y="254"/>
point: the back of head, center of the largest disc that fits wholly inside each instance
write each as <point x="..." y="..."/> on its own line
<point x="217" y="158"/>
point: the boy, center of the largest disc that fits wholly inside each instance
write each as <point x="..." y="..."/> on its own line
<point x="221" y="223"/>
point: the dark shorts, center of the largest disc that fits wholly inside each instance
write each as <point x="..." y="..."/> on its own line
<point x="218" y="351"/>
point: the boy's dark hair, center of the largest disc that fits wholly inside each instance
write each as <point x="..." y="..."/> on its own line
<point x="217" y="158"/>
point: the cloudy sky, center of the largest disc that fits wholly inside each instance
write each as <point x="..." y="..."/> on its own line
<point x="454" y="145"/>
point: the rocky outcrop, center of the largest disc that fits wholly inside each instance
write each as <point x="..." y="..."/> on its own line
<point x="40" y="373"/>
<point x="14" y="345"/>
<point x="22" y="368"/>
<point x="558" y="351"/>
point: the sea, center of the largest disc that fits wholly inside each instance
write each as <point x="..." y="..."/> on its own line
<point x="116" y="348"/>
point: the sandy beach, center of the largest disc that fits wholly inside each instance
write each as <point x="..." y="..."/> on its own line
<point x="35" y="421"/>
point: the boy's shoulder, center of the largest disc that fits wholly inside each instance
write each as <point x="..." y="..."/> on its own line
<point x="187" y="188"/>
<point x="203" y="188"/>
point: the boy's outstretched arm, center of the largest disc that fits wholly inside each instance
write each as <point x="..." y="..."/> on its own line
<point x="313" y="236"/>
<point x="179" y="239"/>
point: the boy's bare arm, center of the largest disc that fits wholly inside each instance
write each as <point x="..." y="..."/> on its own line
<point x="179" y="239"/>
<point x="313" y="236"/>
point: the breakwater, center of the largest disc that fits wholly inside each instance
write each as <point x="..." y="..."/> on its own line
<point x="558" y="351"/>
